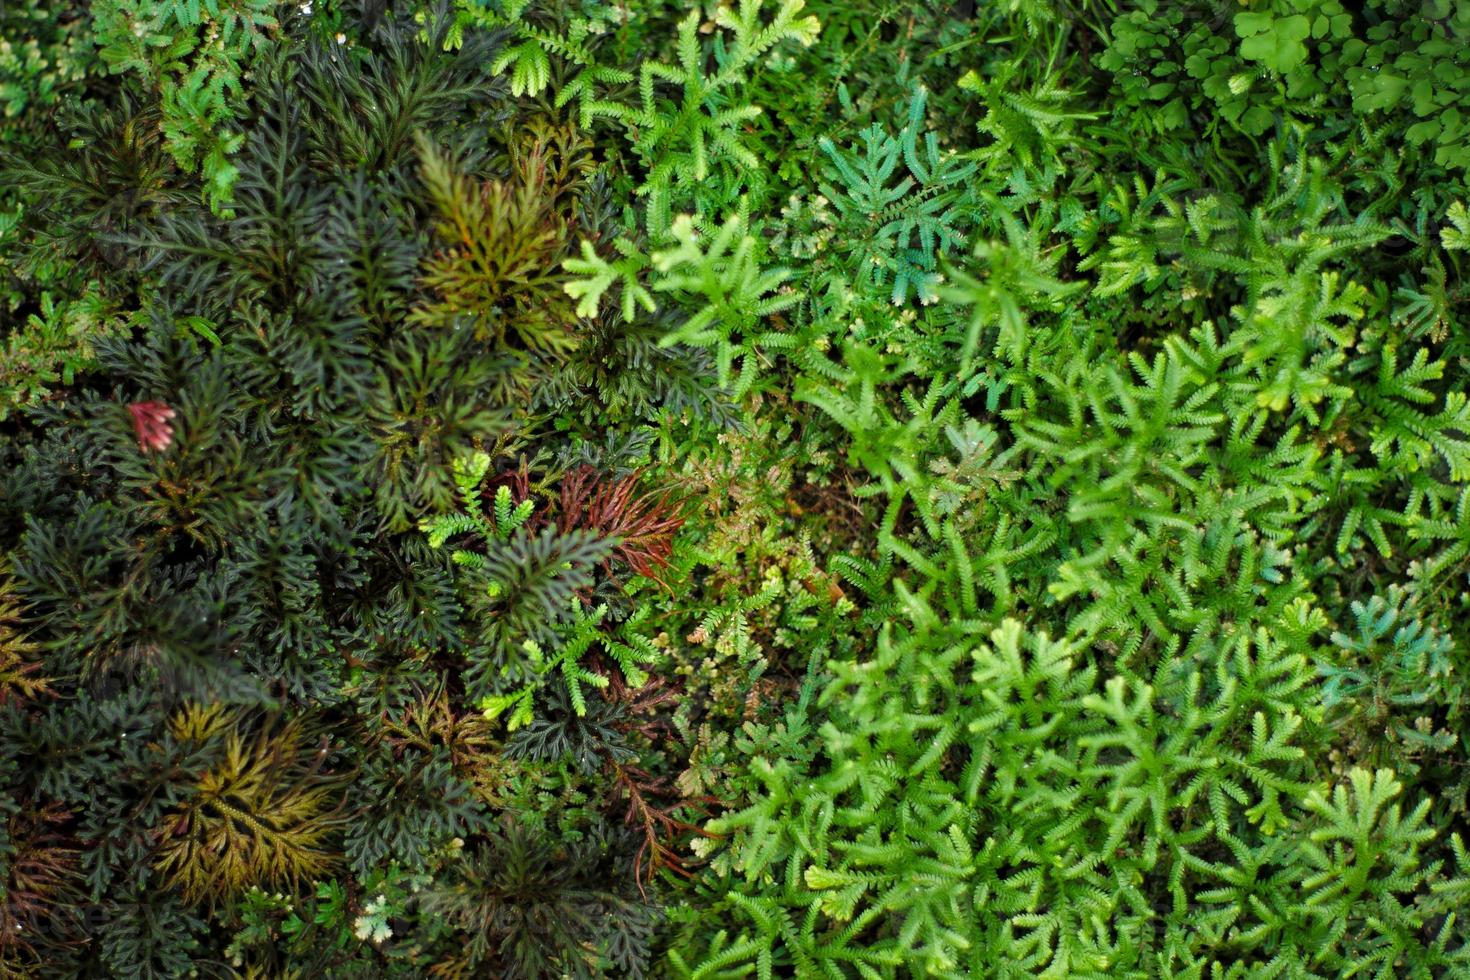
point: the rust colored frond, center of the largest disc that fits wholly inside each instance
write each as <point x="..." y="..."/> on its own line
<point x="656" y="822"/>
<point x="42" y="880"/>
<point x="644" y="524"/>
<point x="430" y="721"/>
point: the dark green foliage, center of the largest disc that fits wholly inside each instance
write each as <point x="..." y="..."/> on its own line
<point x="537" y="908"/>
<point x="379" y="298"/>
<point x="584" y="740"/>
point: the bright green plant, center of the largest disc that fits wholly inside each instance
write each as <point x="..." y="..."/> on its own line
<point x="192" y="54"/>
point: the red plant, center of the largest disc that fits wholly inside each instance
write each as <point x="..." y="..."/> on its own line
<point x="640" y="700"/>
<point x="41" y="882"/>
<point x="151" y="423"/>
<point x="644" y="524"/>
<point x="655" y="820"/>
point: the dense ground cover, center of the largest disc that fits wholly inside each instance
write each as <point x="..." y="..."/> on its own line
<point x="741" y="489"/>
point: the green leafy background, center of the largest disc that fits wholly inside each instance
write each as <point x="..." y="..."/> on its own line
<point x="747" y="488"/>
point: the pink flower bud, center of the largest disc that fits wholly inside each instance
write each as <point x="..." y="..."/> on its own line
<point x="150" y="422"/>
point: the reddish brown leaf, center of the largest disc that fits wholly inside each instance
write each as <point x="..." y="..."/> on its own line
<point x="644" y="524"/>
